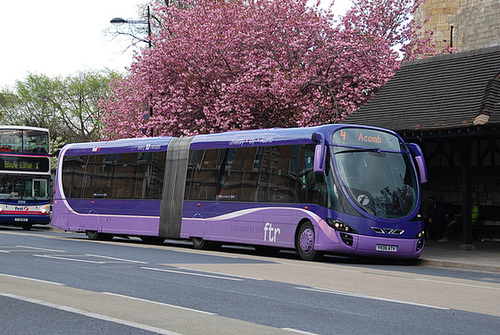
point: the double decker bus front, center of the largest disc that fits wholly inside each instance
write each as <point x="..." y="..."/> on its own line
<point x="24" y="200"/>
<point x="377" y="194"/>
<point x="24" y="176"/>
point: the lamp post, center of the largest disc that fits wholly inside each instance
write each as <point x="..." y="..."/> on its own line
<point x="118" y="21"/>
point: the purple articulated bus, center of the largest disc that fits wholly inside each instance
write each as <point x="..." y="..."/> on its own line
<point x="25" y="176"/>
<point x="340" y="189"/>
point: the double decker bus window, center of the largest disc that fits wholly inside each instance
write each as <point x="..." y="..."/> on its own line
<point x="35" y="141"/>
<point x="11" y="140"/>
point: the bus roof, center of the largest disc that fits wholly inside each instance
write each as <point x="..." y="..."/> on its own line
<point x="272" y="136"/>
<point x="123" y="145"/>
<point x="13" y="127"/>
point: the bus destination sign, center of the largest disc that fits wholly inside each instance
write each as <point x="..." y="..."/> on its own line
<point x="366" y="138"/>
<point x="28" y="164"/>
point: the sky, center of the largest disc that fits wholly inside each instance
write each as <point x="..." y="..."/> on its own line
<point x="62" y="38"/>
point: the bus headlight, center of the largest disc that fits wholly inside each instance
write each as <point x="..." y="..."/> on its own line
<point x="340" y="226"/>
<point x="43" y="210"/>
<point x="420" y="234"/>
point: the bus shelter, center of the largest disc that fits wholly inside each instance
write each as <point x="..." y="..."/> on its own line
<point x="450" y="106"/>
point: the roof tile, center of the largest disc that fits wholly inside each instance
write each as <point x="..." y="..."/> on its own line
<point x="449" y="91"/>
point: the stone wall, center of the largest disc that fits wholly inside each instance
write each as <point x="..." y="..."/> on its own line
<point x="468" y="24"/>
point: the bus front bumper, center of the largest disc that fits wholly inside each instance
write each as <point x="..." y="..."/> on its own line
<point x="20" y="220"/>
<point x="378" y="247"/>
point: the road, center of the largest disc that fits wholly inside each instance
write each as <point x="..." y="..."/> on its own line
<point x="58" y="283"/>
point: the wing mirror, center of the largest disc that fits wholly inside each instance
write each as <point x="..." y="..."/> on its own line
<point x="420" y="160"/>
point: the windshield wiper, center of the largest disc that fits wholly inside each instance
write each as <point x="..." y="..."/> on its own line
<point x="359" y="150"/>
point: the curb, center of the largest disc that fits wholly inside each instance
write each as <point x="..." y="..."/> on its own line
<point x="459" y="265"/>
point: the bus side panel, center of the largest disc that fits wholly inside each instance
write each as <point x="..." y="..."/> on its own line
<point x="127" y="217"/>
<point x="237" y="223"/>
<point x="60" y="215"/>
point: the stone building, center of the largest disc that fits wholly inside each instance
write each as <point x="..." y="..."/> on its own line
<point x="463" y="24"/>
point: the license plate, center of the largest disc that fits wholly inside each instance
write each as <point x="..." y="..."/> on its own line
<point x="21" y="219"/>
<point x="390" y="248"/>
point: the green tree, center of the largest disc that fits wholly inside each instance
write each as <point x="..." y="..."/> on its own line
<point x="68" y="107"/>
<point x="29" y="103"/>
<point x="56" y="144"/>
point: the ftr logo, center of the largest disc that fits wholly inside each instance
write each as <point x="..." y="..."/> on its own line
<point x="270" y="232"/>
<point x="363" y="199"/>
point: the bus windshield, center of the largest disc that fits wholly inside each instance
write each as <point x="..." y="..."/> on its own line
<point x="381" y="183"/>
<point x="14" y="187"/>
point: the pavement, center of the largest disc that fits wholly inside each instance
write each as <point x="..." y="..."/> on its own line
<point x="480" y="256"/>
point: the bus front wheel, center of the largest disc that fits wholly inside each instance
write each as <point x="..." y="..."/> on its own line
<point x="304" y="242"/>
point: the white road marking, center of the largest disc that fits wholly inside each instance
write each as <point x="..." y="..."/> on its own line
<point x="220" y="273"/>
<point x="90" y="314"/>
<point x="356" y="295"/>
<point x="191" y="274"/>
<point x="43" y="249"/>
<point x="160" y="303"/>
<point x="116" y="259"/>
<point x="32" y="279"/>
<point x="459" y="284"/>
<point x="70" y="259"/>
<point x="298" y="331"/>
<point x="22" y="248"/>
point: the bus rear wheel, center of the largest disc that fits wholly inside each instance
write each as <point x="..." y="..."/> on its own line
<point x="304" y="242"/>
<point x="199" y="243"/>
<point x="92" y="234"/>
<point x="95" y="235"/>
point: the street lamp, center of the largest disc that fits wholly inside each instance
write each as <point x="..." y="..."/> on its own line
<point x="118" y="21"/>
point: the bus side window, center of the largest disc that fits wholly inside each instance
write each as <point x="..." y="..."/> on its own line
<point x="76" y="178"/>
<point x="282" y="179"/>
<point x="312" y="184"/>
<point x="123" y="181"/>
<point x="90" y="183"/>
<point x="201" y="183"/>
<point x="250" y="176"/>
<point x="150" y="177"/>
<point x="231" y="180"/>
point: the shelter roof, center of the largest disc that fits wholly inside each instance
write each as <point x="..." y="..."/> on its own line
<point x="445" y="92"/>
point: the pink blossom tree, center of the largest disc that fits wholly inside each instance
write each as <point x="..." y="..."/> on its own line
<point x="230" y="65"/>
